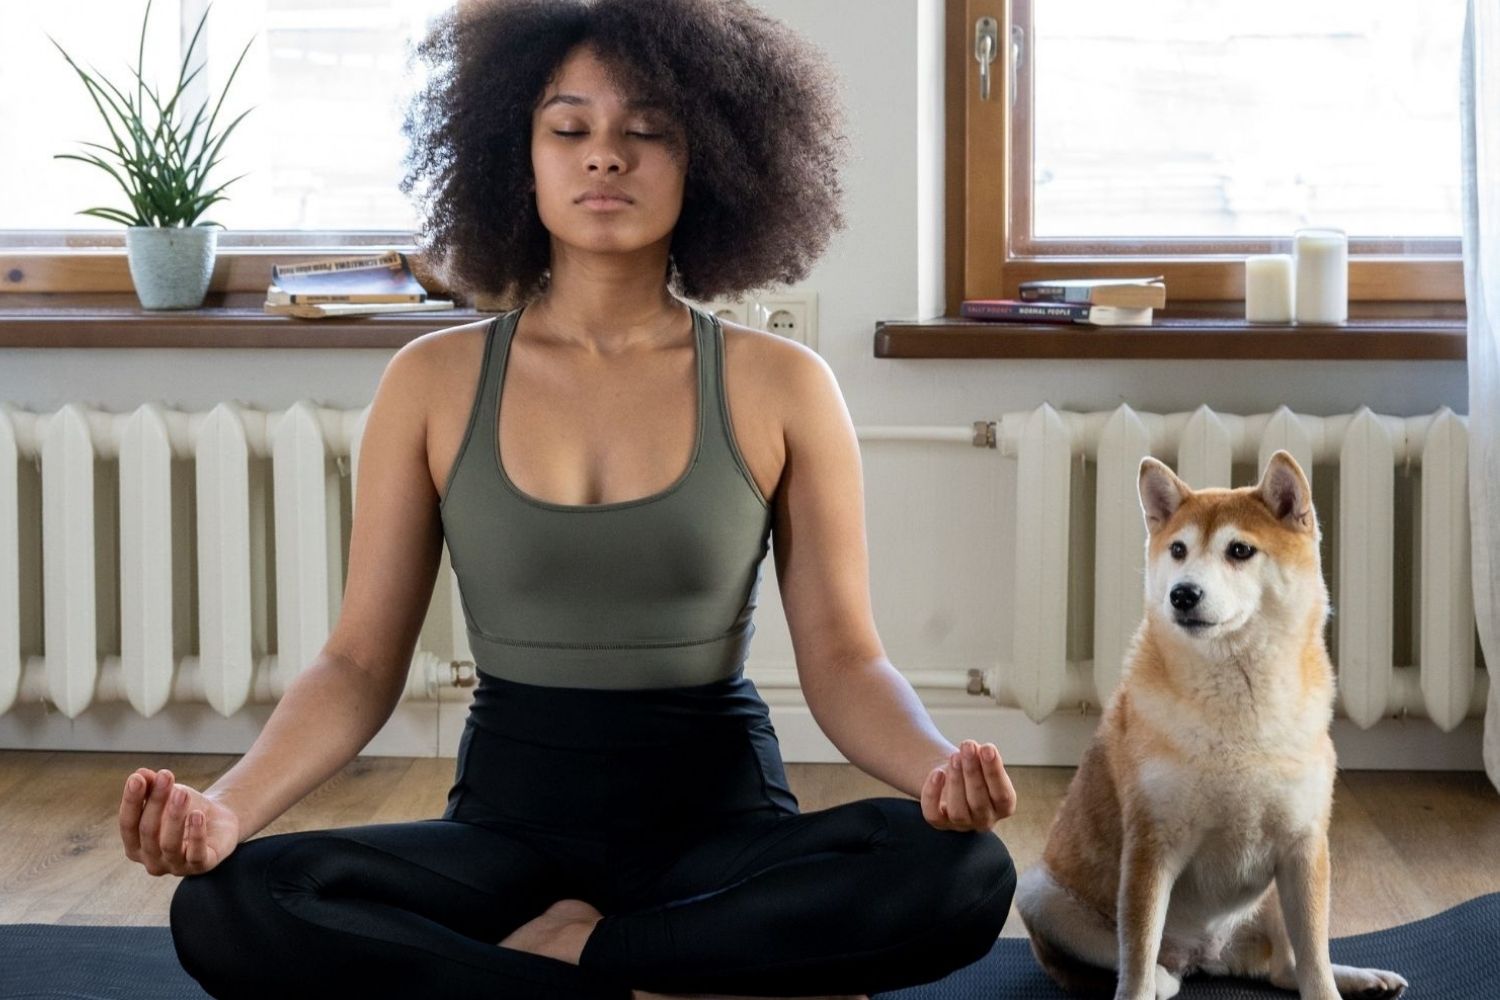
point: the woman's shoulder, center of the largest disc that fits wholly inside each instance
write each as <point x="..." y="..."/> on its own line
<point x="439" y="343"/>
<point x="769" y="356"/>
<point x="766" y="380"/>
<point x="429" y="369"/>
<point x="451" y="351"/>
<point x="777" y="365"/>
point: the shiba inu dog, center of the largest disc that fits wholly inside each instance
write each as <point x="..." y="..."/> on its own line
<point x="1194" y="835"/>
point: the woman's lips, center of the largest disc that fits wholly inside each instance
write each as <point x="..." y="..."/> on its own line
<point x="601" y="203"/>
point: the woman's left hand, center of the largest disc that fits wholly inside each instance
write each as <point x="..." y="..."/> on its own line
<point x="970" y="792"/>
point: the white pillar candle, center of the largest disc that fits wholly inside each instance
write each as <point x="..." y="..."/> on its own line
<point x="1268" y="288"/>
<point x="1322" y="280"/>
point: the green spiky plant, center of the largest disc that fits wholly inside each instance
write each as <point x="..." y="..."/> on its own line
<point x="161" y="174"/>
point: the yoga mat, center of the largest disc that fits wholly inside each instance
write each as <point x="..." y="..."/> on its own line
<point x="1454" y="955"/>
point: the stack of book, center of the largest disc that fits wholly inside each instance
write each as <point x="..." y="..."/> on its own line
<point x="348" y="286"/>
<point x="1096" y="301"/>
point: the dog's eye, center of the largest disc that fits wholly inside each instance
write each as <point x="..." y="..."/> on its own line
<point x="1179" y="550"/>
<point x="1239" y="550"/>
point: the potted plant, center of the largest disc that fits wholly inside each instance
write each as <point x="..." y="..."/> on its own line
<point x="171" y="253"/>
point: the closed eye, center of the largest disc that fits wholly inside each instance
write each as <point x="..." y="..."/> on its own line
<point x="643" y="135"/>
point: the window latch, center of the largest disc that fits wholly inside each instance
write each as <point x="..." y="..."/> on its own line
<point x="986" y="45"/>
<point x="1017" y="43"/>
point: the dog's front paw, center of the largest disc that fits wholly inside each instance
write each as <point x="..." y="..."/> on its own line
<point x="1164" y="987"/>
<point x="1368" y="984"/>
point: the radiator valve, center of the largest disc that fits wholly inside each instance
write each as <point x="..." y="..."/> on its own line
<point x="461" y="673"/>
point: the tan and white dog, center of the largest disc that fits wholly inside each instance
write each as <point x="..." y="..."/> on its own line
<point x="1194" y="835"/>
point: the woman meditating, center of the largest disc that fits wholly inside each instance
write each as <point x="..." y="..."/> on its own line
<point x="609" y="466"/>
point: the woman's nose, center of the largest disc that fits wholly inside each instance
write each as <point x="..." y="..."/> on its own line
<point x="604" y="156"/>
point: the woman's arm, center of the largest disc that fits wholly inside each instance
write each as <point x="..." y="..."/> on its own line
<point x="324" y="719"/>
<point x="337" y="703"/>
<point x="860" y="701"/>
<point x="871" y="713"/>
<point x="863" y="703"/>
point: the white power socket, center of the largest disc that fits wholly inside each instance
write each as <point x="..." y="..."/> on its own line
<point x="792" y="314"/>
<point x="734" y="311"/>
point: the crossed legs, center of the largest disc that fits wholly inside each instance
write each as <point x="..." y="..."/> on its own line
<point x="860" y="897"/>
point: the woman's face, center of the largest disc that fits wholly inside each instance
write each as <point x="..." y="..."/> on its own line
<point x="587" y="135"/>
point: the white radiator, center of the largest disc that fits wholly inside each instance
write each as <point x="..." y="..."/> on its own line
<point x="164" y="555"/>
<point x="164" y="560"/>
<point x="1370" y="530"/>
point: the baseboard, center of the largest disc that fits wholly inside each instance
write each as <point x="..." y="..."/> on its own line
<point x="428" y="729"/>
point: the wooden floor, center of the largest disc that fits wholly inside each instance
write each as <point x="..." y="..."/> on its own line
<point x="1405" y="844"/>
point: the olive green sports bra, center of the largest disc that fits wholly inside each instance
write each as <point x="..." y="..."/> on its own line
<point x="659" y="591"/>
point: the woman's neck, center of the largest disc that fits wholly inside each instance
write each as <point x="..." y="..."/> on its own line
<point x="607" y="302"/>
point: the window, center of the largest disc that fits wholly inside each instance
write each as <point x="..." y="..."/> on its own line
<point x="1176" y="136"/>
<point x="326" y="82"/>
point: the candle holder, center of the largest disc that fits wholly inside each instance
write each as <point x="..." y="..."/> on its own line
<point x="1268" y="288"/>
<point x="1322" y="275"/>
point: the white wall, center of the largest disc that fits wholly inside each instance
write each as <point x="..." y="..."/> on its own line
<point x="937" y="518"/>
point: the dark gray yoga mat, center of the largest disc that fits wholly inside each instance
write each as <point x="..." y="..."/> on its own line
<point x="1454" y="955"/>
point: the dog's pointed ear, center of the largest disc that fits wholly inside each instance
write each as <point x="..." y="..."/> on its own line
<point x="1284" y="490"/>
<point x="1161" y="492"/>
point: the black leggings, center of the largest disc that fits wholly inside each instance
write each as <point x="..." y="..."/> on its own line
<point x="667" y="810"/>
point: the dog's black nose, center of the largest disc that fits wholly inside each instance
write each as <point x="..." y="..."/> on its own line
<point x="1185" y="596"/>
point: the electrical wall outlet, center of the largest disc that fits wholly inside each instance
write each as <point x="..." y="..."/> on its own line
<point x="730" y="310"/>
<point x="792" y="314"/>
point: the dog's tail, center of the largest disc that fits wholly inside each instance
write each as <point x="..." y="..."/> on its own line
<point x="1072" y="973"/>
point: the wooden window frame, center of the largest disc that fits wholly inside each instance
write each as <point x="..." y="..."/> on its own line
<point x="986" y="260"/>
<point x="982" y="260"/>
<point x="71" y="262"/>
<point x="82" y="265"/>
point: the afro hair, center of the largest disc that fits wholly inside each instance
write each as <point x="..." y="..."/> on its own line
<point x="756" y="105"/>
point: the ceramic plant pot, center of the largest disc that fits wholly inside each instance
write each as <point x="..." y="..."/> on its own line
<point x="170" y="265"/>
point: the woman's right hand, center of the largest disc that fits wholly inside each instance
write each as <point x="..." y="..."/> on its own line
<point x="169" y="836"/>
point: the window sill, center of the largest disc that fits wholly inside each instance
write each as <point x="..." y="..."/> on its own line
<point x="237" y="320"/>
<point x="1181" y="337"/>
<point x="225" y="320"/>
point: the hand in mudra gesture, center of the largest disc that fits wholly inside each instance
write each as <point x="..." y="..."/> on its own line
<point x="172" y="837"/>
<point x="970" y="792"/>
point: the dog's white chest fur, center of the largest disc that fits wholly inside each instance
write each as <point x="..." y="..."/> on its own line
<point x="1226" y="816"/>
<point x="1248" y="796"/>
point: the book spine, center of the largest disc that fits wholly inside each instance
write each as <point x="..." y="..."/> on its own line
<point x="1055" y="293"/>
<point x="1122" y="296"/>
<point x="1043" y="312"/>
<point x="311" y="298"/>
<point x="384" y="261"/>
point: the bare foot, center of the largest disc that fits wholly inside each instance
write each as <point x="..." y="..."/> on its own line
<point x="560" y="932"/>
